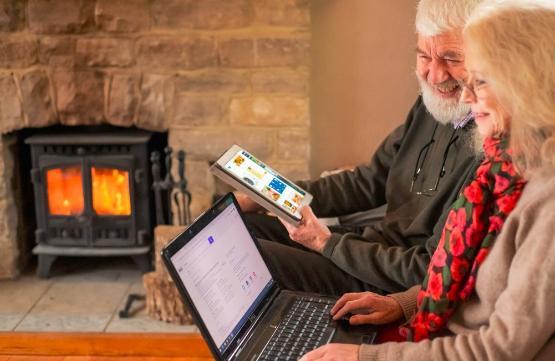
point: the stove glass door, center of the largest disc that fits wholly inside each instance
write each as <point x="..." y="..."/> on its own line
<point x="65" y="191"/>
<point x="110" y="192"/>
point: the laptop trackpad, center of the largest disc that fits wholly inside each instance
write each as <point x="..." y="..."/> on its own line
<point x="345" y="333"/>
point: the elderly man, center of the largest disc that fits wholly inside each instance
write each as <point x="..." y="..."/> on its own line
<point x="417" y="172"/>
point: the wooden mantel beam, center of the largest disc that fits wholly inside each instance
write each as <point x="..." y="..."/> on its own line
<point x="104" y="344"/>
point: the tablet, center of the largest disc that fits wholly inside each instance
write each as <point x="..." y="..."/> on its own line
<point x="265" y="186"/>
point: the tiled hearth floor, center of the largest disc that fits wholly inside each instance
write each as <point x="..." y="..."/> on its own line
<point x="81" y="295"/>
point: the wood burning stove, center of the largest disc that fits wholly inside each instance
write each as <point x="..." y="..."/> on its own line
<point x="92" y="196"/>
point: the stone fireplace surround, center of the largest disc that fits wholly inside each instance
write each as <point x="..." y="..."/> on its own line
<point x="210" y="73"/>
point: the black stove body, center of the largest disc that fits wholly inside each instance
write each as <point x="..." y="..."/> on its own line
<point x="92" y="196"/>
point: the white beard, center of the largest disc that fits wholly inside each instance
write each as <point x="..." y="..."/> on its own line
<point x="443" y="110"/>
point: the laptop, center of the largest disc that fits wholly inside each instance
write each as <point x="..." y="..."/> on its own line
<point x="239" y="308"/>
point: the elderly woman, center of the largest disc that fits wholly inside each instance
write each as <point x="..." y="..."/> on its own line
<point x="488" y="297"/>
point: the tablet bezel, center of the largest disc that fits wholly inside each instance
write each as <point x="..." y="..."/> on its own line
<point x="218" y="168"/>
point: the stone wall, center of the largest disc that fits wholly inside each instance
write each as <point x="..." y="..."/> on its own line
<point x="210" y="72"/>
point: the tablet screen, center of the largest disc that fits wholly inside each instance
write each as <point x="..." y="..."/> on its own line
<point x="266" y="182"/>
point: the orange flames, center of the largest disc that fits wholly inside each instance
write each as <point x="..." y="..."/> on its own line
<point x="110" y="191"/>
<point x="65" y="191"/>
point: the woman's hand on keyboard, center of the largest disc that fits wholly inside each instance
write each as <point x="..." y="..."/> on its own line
<point x="332" y="352"/>
<point x="367" y="308"/>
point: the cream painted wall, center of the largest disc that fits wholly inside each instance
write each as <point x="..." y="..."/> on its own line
<point x="362" y="78"/>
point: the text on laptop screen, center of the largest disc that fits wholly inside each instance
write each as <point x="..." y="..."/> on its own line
<point x="266" y="181"/>
<point x="224" y="275"/>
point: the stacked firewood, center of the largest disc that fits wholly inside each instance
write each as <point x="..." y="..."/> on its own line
<point x="163" y="301"/>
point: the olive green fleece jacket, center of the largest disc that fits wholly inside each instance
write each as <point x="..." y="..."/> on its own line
<point x="511" y="314"/>
<point x="393" y="253"/>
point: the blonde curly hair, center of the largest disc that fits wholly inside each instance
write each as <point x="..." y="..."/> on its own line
<point x="512" y="43"/>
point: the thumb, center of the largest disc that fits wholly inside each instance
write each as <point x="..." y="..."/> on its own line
<point x="290" y="228"/>
<point x="364" y="319"/>
<point x="373" y="318"/>
<point x="307" y="212"/>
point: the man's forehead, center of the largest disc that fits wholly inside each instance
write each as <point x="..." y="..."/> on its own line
<point x="448" y="44"/>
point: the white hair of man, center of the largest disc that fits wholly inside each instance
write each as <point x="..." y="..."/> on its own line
<point x="434" y="17"/>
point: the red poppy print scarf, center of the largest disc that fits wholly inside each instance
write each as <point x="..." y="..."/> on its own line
<point x="472" y="225"/>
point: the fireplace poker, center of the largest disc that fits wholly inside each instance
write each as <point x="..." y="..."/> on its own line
<point x="126" y="311"/>
<point x="175" y="191"/>
<point x="184" y="192"/>
<point x="157" y="187"/>
<point x="168" y="181"/>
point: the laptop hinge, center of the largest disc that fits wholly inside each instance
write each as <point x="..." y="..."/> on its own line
<point x="241" y="343"/>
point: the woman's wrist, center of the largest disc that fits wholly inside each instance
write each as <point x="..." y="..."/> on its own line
<point x="407" y="301"/>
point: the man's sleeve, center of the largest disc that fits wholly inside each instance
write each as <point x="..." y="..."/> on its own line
<point x="356" y="190"/>
<point x="392" y="269"/>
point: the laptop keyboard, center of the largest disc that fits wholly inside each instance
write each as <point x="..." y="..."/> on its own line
<point x="302" y="329"/>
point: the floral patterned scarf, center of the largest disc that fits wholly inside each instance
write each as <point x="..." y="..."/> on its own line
<point x="472" y="225"/>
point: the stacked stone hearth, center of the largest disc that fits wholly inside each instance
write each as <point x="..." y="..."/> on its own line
<point x="209" y="72"/>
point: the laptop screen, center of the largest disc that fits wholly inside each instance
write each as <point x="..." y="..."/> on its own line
<point x="224" y="275"/>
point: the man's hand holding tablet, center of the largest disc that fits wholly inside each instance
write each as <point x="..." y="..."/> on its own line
<point x="261" y="184"/>
<point x="311" y="233"/>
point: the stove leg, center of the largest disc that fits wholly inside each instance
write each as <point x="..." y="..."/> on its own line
<point x="45" y="263"/>
<point x="143" y="262"/>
